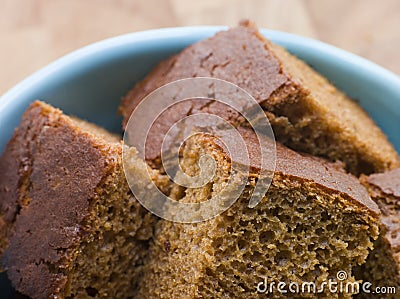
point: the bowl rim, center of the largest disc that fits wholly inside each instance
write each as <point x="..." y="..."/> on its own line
<point x="305" y="43"/>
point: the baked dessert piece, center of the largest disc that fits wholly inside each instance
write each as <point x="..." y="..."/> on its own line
<point x="306" y="111"/>
<point x="314" y="221"/>
<point x="74" y="228"/>
<point x="382" y="268"/>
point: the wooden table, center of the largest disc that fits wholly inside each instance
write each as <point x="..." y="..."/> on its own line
<point x="35" y="32"/>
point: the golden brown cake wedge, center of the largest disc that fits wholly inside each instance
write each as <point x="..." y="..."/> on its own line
<point x="382" y="268"/>
<point x="314" y="221"/>
<point x="74" y="229"/>
<point x="306" y="111"/>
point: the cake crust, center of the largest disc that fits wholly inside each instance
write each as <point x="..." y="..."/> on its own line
<point x="77" y="231"/>
<point x="306" y="111"/>
<point x="50" y="224"/>
<point x="388" y="183"/>
<point x="304" y="167"/>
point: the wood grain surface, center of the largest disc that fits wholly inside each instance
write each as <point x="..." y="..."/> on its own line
<point x="35" y="32"/>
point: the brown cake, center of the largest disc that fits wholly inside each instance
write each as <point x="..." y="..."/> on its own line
<point x="382" y="268"/>
<point x="306" y="111"/>
<point x="314" y="221"/>
<point x="74" y="228"/>
<point x="71" y="228"/>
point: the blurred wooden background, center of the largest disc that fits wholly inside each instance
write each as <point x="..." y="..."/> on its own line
<point x="35" y="32"/>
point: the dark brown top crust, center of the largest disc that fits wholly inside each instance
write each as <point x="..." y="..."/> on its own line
<point x="388" y="182"/>
<point x="15" y="164"/>
<point x="303" y="167"/>
<point x="175" y="113"/>
<point x="63" y="167"/>
<point x="15" y="168"/>
<point x="205" y="59"/>
<point x="236" y="63"/>
<point x="384" y="189"/>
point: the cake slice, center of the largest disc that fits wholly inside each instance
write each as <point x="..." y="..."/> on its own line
<point x="314" y="221"/>
<point x="382" y="268"/>
<point x="70" y="226"/>
<point x="306" y="111"/>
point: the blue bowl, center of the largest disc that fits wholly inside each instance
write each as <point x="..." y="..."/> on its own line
<point x="90" y="82"/>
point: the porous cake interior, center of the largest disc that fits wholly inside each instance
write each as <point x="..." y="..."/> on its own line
<point x="109" y="260"/>
<point x="298" y="233"/>
<point x="381" y="268"/>
<point x="317" y="118"/>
